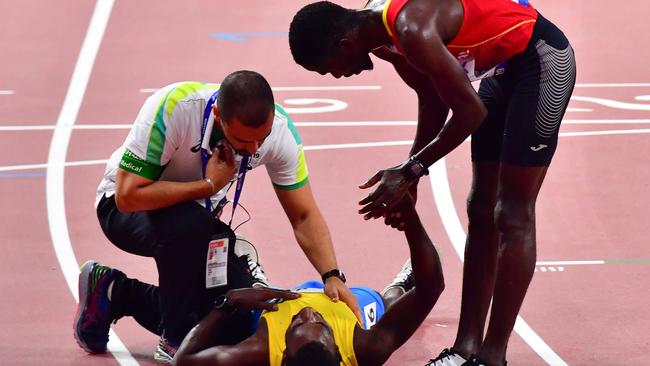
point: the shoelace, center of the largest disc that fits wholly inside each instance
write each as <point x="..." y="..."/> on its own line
<point x="404" y="278"/>
<point x="256" y="270"/>
<point x="404" y="274"/>
<point x="446" y="353"/>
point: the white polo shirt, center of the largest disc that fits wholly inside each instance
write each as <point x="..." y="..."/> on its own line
<point x="165" y="143"/>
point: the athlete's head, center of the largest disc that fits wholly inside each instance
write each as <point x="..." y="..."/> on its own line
<point x="244" y="110"/>
<point x="310" y="341"/>
<point x="324" y="37"/>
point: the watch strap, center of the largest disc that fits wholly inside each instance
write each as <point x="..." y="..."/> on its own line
<point x="333" y="273"/>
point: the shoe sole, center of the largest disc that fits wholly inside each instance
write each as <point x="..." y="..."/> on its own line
<point x="84" y="289"/>
<point x="162" y="358"/>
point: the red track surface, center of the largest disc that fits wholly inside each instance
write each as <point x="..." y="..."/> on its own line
<point x="594" y="204"/>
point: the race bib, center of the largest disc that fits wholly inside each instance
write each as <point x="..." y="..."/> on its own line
<point x="216" y="265"/>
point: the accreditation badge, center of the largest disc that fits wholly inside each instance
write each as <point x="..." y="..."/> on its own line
<point x="216" y="265"/>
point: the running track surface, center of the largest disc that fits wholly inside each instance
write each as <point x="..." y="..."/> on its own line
<point x="593" y="206"/>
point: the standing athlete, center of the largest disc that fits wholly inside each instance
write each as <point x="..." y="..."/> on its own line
<point x="527" y="71"/>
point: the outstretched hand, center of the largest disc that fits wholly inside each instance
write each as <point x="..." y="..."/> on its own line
<point x="392" y="187"/>
<point x="401" y="212"/>
<point x="257" y="298"/>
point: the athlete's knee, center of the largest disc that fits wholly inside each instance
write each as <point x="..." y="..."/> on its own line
<point x="513" y="217"/>
<point x="480" y="211"/>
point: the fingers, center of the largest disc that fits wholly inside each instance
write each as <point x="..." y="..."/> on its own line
<point x="395" y="220"/>
<point x="280" y="294"/>
<point x="372" y="196"/>
<point x="351" y="301"/>
<point x="373" y="180"/>
<point x="266" y="294"/>
<point x="267" y="306"/>
<point x="378" y="207"/>
<point x="332" y="293"/>
<point x="224" y="152"/>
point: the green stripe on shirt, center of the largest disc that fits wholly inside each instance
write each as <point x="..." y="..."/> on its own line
<point x="134" y="164"/>
<point x="302" y="175"/>
<point x="182" y="91"/>
<point x="157" y="134"/>
<point x="296" y="136"/>
<point x="292" y="186"/>
<point x="167" y="106"/>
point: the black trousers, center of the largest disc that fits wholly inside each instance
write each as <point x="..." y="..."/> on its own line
<point x="177" y="238"/>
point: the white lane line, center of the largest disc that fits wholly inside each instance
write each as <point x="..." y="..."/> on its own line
<point x="362" y="144"/>
<point x="7" y="168"/>
<point x="604" y="121"/>
<point x="73" y="127"/>
<point x="54" y="185"/>
<point x="455" y="231"/>
<point x="570" y="109"/>
<point x="303" y="88"/>
<point x="612" y="85"/>
<point x="605" y="132"/>
<point x="569" y="263"/>
<point x="7" y="92"/>
<point x="326" y="88"/>
<point x="378" y="87"/>
<point x="126" y="126"/>
<point x="43" y="166"/>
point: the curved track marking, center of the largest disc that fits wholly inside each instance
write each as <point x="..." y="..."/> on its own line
<point x="455" y="231"/>
<point x="614" y="103"/>
<point x="331" y="105"/>
<point x="54" y="184"/>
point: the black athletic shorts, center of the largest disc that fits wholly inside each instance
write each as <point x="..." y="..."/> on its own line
<point x="526" y="103"/>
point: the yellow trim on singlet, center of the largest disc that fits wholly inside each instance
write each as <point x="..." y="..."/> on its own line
<point x="340" y="318"/>
<point x="384" y="16"/>
<point x="494" y="37"/>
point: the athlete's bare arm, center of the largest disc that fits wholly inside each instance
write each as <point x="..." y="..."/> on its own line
<point x="374" y="346"/>
<point x="203" y="345"/>
<point x="423" y="28"/>
<point x="432" y="112"/>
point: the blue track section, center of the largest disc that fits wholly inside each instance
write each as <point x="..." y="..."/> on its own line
<point x="241" y="37"/>
<point x="21" y="175"/>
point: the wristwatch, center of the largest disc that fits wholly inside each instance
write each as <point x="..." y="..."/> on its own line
<point x="333" y="273"/>
<point x="221" y="303"/>
<point x="414" y="169"/>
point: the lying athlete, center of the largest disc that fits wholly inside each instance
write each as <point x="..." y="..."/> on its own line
<point x="306" y="328"/>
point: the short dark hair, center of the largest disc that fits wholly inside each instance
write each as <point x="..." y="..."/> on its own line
<point x="313" y="354"/>
<point x="246" y="95"/>
<point x="315" y="29"/>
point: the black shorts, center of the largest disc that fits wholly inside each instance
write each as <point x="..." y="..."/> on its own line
<point x="526" y="103"/>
